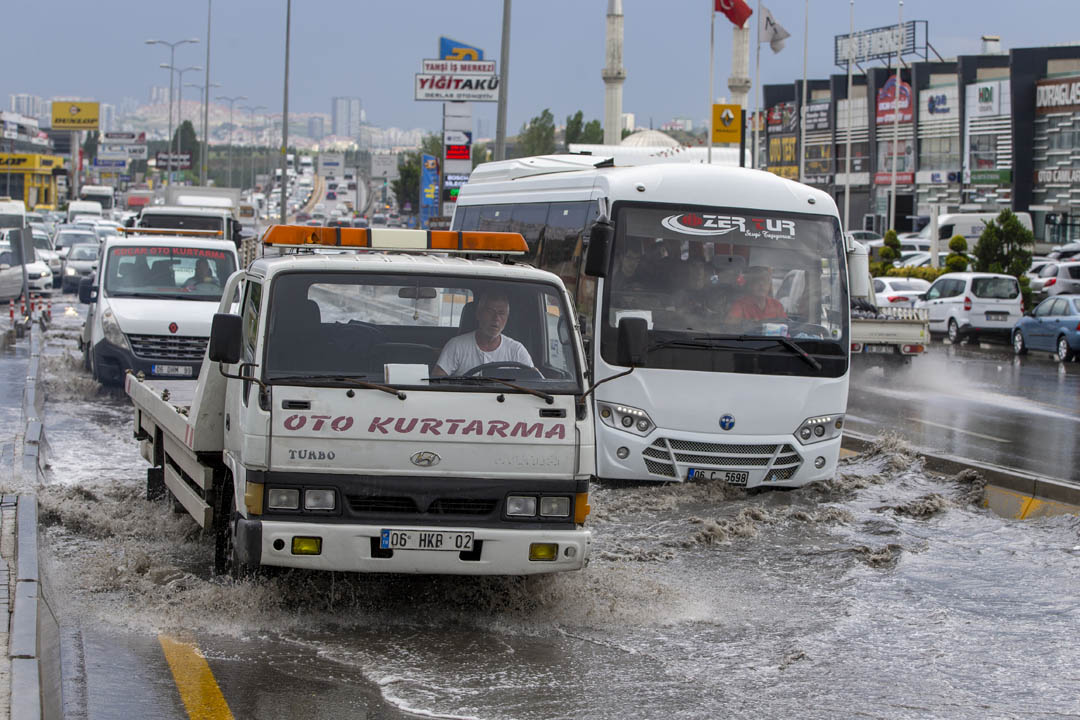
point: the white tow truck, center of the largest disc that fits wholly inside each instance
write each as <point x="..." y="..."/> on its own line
<point x="338" y="423"/>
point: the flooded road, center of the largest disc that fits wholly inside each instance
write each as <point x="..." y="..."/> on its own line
<point x="978" y="402"/>
<point x="885" y="593"/>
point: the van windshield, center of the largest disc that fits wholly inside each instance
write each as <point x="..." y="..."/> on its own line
<point x="710" y="284"/>
<point x="163" y="221"/>
<point x="11" y="221"/>
<point x="170" y="272"/>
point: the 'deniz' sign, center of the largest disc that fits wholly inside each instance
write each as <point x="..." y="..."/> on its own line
<point x="1057" y="95"/>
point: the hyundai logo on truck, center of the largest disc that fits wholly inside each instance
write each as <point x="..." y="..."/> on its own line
<point x="425" y="458"/>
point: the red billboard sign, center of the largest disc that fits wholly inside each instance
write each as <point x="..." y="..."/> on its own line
<point x="887" y="102"/>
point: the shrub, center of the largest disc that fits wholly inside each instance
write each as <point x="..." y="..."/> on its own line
<point x="929" y="274"/>
<point x="890" y="249"/>
<point x="958" y="244"/>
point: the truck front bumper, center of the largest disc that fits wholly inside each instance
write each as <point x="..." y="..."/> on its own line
<point x="355" y="548"/>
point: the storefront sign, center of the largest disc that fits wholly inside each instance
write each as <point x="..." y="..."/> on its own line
<point x="937" y="177"/>
<point x="1058" y="176"/>
<point x="782" y="158"/>
<point x="446" y="81"/>
<point x="990" y="177"/>
<point x="1057" y="95"/>
<point x="902" y="178"/>
<point x="818" y="116"/>
<point x="905" y="156"/>
<point x="940" y="102"/>
<point x="985" y="99"/>
<point x="124" y="138"/>
<point x="887" y="103"/>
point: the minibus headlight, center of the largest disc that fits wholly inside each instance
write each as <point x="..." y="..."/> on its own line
<point x="819" y="428"/>
<point x="626" y="418"/>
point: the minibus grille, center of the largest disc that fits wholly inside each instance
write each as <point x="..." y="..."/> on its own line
<point x="666" y="457"/>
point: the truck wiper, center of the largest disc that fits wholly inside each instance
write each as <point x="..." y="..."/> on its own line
<point x="341" y="379"/>
<point x="787" y="343"/>
<point x="549" y="399"/>
<point x="702" y="343"/>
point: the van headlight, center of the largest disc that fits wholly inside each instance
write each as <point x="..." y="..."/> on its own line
<point x="111" y="329"/>
<point x="624" y="417"/>
<point x="819" y="428"/>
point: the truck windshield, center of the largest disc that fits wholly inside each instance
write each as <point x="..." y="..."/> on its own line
<point x="11" y="221"/>
<point x="713" y="285"/>
<point x="405" y="329"/>
<point x="168" y="272"/>
<point x="163" y="221"/>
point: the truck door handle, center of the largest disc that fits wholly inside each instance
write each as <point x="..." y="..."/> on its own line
<point x="295" y="404"/>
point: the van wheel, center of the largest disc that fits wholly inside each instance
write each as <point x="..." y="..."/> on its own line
<point x="1064" y="354"/>
<point x="954" y="332"/>
<point x="1019" y="347"/>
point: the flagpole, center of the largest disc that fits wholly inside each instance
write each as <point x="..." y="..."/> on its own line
<point x="802" y="107"/>
<point x="896" y="118"/>
<point x="757" y="87"/>
<point x="847" y="142"/>
<point x="712" y="36"/>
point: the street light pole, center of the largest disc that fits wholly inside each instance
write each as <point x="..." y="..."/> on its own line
<point x="254" y="137"/>
<point x="204" y="90"/>
<point x="172" y="61"/>
<point x="231" y="101"/>
<point x="285" y="115"/>
<point x="174" y="143"/>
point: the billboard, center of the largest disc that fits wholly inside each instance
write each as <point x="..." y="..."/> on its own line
<point x="782" y="118"/>
<point x="879" y="43"/>
<point x="454" y="50"/>
<point x="818" y="116"/>
<point x="75" y="115"/>
<point x="1057" y="95"/>
<point x="429" y="189"/>
<point x="887" y="104"/>
<point x="456" y="86"/>
<point x="124" y="138"/>
<point x="122" y="152"/>
<point x="180" y="161"/>
<point x="384" y="167"/>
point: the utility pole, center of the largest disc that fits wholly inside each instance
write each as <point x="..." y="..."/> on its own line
<point x="231" y="101"/>
<point x="172" y="62"/>
<point x="896" y="118"/>
<point x="504" y="74"/>
<point x="285" y="116"/>
<point x="204" y="161"/>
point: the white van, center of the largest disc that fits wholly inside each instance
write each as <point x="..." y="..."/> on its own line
<point x="153" y="300"/>
<point x="970" y="225"/>
<point x="970" y="304"/>
<point x="83" y="207"/>
<point x="12" y="213"/>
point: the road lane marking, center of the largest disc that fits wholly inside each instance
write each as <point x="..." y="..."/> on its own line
<point x="198" y="689"/>
<point x="955" y="429"/>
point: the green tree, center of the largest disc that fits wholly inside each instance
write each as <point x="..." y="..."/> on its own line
<point x="90" y="145"/>
<point x="537" y="137"/>
<point x="957" y="259"/>
<point x="593" y="133"/>
<point x="574" y="125"/>
<point x="185" y="141"/>
<point x="479" y="154"/>
<point x="432" y="145"/>
<point x="406" y="187"/>
<point x="890" y="249"/>
<point x="626" y="132"/>
<point x="1005" y="247"/>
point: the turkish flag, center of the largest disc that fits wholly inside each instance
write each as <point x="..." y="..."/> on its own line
<point x="737" y="11"/>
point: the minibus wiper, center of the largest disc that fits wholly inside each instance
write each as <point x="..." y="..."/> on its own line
<point x="549" y="399"/>
<point x="787" y="343"/>
<point x="341" y="379"/>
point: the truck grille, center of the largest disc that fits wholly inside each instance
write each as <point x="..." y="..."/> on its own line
<point x="168" y="347"/>
<point x="439" y="506"/>
<point x="663" y="457"/>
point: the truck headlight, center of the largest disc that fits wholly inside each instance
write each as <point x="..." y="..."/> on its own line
<point x="820" y="428"/>
<point x="111" y="329"/>
<point x="626" y="418"/>
<point x="283" y="499"/>
<point x="555" y="506"/>
<point x="521" y="505"/>
<point x="319" y="500"/>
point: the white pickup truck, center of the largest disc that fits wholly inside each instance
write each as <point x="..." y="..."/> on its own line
<point x="354" y="417"/>
<point x="887" y="337"/>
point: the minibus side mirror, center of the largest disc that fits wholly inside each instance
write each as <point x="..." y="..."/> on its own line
<point x="600" y="239"/>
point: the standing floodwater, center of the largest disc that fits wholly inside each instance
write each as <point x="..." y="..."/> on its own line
<point x="885" y="593"/>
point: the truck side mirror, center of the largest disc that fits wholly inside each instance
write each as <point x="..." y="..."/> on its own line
<point x="226" y="332"/>
<point x="87" y="292"/>
<point x="596" y="258"/>
<point x="633" y="345"/>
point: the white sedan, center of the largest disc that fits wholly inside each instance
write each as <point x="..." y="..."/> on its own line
<point x="898" y="291"/>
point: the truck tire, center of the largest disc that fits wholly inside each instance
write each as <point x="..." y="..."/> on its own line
<point x="226" y="562"/>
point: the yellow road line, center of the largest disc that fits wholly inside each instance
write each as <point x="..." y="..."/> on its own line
<point x="200" y="692"/>
<point x="844" y="453"/>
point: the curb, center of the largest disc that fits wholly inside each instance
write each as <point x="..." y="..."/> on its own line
<point x="35" y="446"/>
<point x="1026" y="494"/>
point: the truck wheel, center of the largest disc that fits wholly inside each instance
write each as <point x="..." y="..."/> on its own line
<point x="226" y="561"/>
<point x="86" y="356"/>
<point x="954" y="332"/>
<point x="1019" y="346"/>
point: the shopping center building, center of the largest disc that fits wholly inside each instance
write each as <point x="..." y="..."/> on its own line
<point x="29" y="169"/>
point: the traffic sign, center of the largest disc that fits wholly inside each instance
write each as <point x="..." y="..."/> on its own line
<point x="727" y="123"/>
<point x="124" y="138"/>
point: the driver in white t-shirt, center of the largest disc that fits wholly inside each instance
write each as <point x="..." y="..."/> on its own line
<point x="486" y="344"/>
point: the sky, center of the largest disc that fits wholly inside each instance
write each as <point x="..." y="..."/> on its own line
<point x="371" y="50"/>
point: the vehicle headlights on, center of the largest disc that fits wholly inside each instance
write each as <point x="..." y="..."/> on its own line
<point x="70" y="271"/>
<point x="111" y="329"/>
<point x="624" y="417"/>
<point x="819" y="429"/>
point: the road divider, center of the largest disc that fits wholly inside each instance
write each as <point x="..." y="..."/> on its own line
<point x="1009" y="492"/>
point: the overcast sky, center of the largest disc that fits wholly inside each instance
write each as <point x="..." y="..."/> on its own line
<point x="372" y="49"/>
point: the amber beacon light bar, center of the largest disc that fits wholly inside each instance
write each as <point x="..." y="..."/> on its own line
<point x="448" y="241"/>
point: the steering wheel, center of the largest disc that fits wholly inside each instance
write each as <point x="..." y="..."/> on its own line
<point x="505" y="365"/>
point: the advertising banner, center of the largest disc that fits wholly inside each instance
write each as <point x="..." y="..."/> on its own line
<point x="75" y="115"/>
<point x="818" y="116"/>
<point x="122" y="152"/>
<point x="887" y="103"/>
<point x="124" y="138"/>
<point x="452" y="87"/>
<point x="782" y="118"/>
<point x="429" y="189"/>
<point x="727" y="123"/>
<point x="180" y="161"/>
<point x="940" y="103"/>
<point x="988" y="99"/>
<point x="782" y="158"/>
<point x="905" y="156"/>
